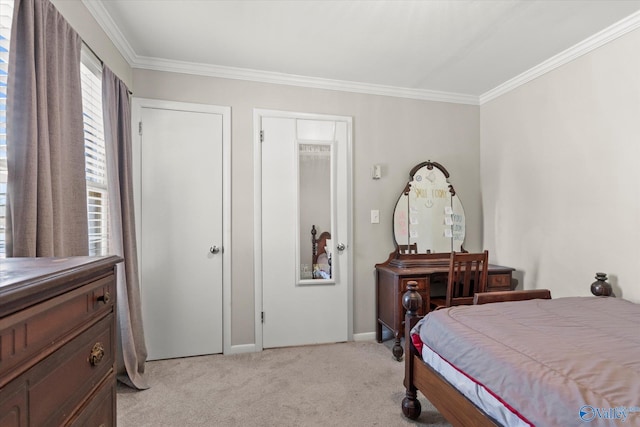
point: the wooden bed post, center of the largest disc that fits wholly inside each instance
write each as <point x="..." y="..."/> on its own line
<point x="314" y="243"/>
<point x="412" y="301"/>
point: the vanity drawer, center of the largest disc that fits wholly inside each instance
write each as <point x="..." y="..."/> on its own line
<point x="33" y="333"/>
<point x="421" y="281"/>
<point x="499" y="282"/>
<point x="59" y="385"/>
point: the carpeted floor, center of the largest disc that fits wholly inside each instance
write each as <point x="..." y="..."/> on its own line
<point x="346" y="384"/>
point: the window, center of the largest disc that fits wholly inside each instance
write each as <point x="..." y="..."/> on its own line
<point x="95" y="159"/>
<point x="6" y="15"/>
<point x="95" y="156"/>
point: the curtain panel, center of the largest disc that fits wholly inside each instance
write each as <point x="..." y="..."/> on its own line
<point x="46" y="188"/>
<point x="132" y="352"/>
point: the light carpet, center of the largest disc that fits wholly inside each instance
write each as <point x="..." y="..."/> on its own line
<point x="345" y="384"/>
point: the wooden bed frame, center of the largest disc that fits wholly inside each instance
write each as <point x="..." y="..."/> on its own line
<point x="317" y="245"/>
<point x="452" y="404"/>
<point x="317" y="249"/>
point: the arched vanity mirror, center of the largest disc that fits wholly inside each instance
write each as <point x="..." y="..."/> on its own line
<point x="428" y="217"/>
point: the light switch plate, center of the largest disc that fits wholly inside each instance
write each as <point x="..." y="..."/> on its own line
<point x="375" y="216"/>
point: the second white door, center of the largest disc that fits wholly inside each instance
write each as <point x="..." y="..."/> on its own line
<point x="305" y="180"/>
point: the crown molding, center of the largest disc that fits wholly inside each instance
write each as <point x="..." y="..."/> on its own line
<point x="224" y="72"/>
<point x="105" y="21"/>
<point x="605" y="36"/>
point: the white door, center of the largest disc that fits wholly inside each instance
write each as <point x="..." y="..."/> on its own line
<point x="181" y="214"/>
<point x="305" y="180"/>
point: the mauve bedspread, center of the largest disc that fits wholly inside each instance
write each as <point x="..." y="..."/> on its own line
<point x="558" y="362"/>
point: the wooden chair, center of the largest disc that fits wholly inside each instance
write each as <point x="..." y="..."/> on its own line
<point x="467" y="276"/>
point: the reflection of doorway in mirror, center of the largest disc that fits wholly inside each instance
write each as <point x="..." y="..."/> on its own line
<point x="401" y="222"/>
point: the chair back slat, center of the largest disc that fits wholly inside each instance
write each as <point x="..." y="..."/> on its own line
<point x="467" y="276"/>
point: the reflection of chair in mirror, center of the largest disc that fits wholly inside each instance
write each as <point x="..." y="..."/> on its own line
<point x="321" y="254"/>
<point x="467" y="276"/>
<point x="408" y="249"/>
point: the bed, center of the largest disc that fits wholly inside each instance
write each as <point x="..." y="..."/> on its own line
<point x="555" y="362"/>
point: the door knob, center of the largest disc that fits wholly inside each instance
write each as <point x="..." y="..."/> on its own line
<point x="214" y="249"/>
<point x="341" y="247"/>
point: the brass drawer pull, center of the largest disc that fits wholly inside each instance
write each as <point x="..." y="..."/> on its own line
<point x="105" y="298"/>
<point x="97" y="354"/>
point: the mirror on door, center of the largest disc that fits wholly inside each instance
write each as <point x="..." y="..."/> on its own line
<point x="315" y="219"/>
<point x="428" y="217"/>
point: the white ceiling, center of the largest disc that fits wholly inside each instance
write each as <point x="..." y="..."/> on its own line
<point x="458" y="50"/>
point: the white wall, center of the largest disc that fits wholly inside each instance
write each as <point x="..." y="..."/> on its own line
<point x="396" y="133"/>
<point x="560" y="175"/>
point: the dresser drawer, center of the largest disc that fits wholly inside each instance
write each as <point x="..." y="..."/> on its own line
<point x="13" y="405"/>
<point x="100" y="412"/>
<point x="499" y="282"/>
<point x="61" y="383"/>
<point x="32" y="334"/>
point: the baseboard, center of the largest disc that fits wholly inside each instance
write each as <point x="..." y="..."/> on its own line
<point x="251" y="348"/>
<point x="242" y="348"/>
<point x="370" y="336"/>
<point x="366" y="336"/>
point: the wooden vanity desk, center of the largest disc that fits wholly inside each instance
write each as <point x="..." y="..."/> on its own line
<point x="430" y="271"/>
<point x="58" y="341"/>
<point x="428" y="224"/>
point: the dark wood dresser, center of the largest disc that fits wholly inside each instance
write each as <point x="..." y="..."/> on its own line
<point x="430" y="271"/>
<point x="58" y="341"/>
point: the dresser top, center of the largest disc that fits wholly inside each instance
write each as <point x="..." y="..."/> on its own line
<point x="16" y="270"/>
<point x="40" y="278"/>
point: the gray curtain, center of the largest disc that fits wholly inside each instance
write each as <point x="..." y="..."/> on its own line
<point x="132" y="353"/>
<point x="46" y="189"/>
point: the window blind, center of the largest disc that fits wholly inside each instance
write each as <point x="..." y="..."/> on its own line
<point x="95" y="155"/>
